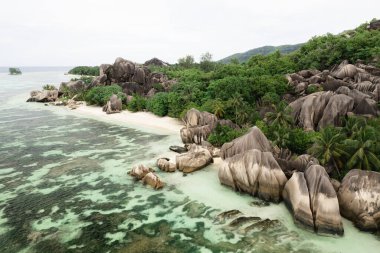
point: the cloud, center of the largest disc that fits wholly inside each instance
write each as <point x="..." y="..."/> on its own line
<point x="84" y="32"/>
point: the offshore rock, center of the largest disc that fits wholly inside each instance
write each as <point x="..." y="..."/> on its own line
<point x="43" y="96"/>
<point x="165" y="165"/>
<point x="153" y="180"/>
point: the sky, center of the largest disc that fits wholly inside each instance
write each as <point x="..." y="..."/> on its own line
<point x="92" y="32"/>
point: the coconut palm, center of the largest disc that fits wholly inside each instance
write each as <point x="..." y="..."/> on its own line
<point x="353" y="125"/>
<point x="328" y="148"/>
<point x="218" y="108"/>
<point x="236" y="102"/>
<point x="363" y="148"/>
<point x="281" y="115"/>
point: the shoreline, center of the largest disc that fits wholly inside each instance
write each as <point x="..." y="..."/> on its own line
<point x="139" y="120"/>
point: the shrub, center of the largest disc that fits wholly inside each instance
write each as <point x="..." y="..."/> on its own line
<point x="223" y="134"/>
<point x="101" y="94"/>
<point x="85" y="71"/>
<point x="158" y="87"/>
<point x="300" y="141"/>
<point x="158" y="104"/>
<point x="138" y="103"/>
<point x="49" y="87"/>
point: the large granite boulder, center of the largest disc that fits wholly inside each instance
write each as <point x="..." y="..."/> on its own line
<point x="339" y="105"/>
<point x="165" y="165"/>
<point x="43" y="96"/>
<point x="156" y="62"/>
<point x="122" y="70"/>
<point x="114" y="105"/>
<point x="73" y="87"/>
<point x="255" y="172"/>
<point x="195" y="159"/>
<point x="153" y="180"/>
<point x="254" y="139"/>
<point x="139" y="171"/>
<point x="312" y="199"/>
<point x="359" y="199"/>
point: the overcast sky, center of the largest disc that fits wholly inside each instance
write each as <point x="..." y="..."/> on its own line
<point x="91" y="32"/>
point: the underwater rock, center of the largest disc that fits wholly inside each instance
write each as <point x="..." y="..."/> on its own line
<point x="243" y="220"/>
<point x="153" y="180"/>
<point x="220" y="218"/>
<point x="312" y="199"/>
<point x="254" y="172"/>
<point x="165" y="165"/>
<point x="196" y="159"/>
<point x="359" y="199"/>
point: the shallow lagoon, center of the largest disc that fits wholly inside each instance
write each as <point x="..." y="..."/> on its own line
<point x="64" y="188"/>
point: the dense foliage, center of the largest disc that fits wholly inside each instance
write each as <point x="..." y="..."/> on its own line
<point x="101" y="94"/>
<point x="85" y="71"/>
<point x="15" y="71"/>
<point x="223" y="134"/>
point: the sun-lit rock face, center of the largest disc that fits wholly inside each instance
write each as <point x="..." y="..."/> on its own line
<point x="114" y="105"/>
<point x="43" y="96"/>
<point x="254" y="139"/>
<point x="164" y="164"/>
<point x="312" y="199"/>
<point x="195" y="159"/>
<point x="347" y="88"/>
<point x="254" y="172"/>
<point x="359" y="199"/>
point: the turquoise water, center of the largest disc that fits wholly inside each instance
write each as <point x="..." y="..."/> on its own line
<point x="64" y="188"/>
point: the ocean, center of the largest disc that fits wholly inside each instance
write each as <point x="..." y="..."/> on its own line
<point x="64" y="187"/>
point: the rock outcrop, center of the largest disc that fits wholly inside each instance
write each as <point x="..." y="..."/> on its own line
<point x="132" y="77"/>
<point x="165" y="165"/>
<point x="347" y="88"/>
<point x="43" y="96"/>
<point x="195" y="159"/>
<point x="255" y="172"/>
<point x="72" y="87"/>
<point x="359" y="199"/>
<point x="114" y="105"/>
<point x="199" y="125"/>
<point x="298" y="164"/>
<point x="146" y="175"/>
<point x="156" y="62"/>
<point x="254" y="139"/>
<point x="312" y="199"/>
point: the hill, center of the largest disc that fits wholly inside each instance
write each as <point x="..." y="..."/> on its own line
<point x="243" y="57"/>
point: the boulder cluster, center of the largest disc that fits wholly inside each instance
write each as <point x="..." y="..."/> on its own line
<point x="345" y="89"/>
<point x="199" y="125"/>
<point x="316" y="201"/>
<point x="132" y="77"/>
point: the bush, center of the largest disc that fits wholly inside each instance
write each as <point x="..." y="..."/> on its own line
<point x="300" y="141"/>
<point x="85" y="71"/>
<point x="138" y="103"/>
<point x="158" y="104"/>
<point x="158" y="87"/>
<point x="85" y="79"/>
<point x="49" y="87"/>
<point x="101" y="94"/>
<point x="223" y="134"/>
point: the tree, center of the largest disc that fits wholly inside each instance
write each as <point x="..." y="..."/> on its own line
<point x="363" y="150"/>
<point x="281" y="116"/>
<point x="328" y="148"/>
<point x="206" y="63"/>
<point x="186" y="62"/>
<point x="218" y="108"/>
<point x="15" y="71"/>
<point x="236" y="102"/>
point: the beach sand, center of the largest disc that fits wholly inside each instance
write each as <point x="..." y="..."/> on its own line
<point x="139" y="120"/>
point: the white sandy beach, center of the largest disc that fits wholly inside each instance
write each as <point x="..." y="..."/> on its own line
<point x="139" y="120"/>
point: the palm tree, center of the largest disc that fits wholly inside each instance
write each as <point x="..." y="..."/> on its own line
<point x="363" y="148"/>
<point x="281" y="115"/>
<point x="242" y="116"/>
<point x="218" y="108"/>
<point x="353" y="125"/>
<point x="236" y="102"/>
<point x="328" y="148"/>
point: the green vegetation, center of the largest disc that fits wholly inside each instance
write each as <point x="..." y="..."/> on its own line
<point x="85" y="71"/>
<point x="49" y="87"/>
<point x="356" y="145"/>
<point x="101" y="94"/>
<point x="138" y="103"/>
<point x="86" y="79"/>
<point x="15" y="71"/>
<point x="266" y="50"/>
<point x="223" y="134"/>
